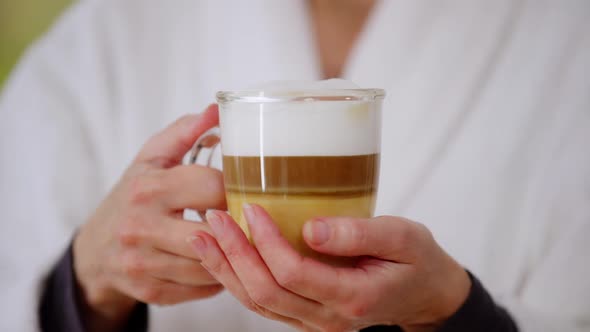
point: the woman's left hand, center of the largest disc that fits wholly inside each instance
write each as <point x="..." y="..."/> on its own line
<point x="402" y="278"/>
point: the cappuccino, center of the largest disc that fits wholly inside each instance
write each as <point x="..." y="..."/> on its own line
<point x="301" y="153"/>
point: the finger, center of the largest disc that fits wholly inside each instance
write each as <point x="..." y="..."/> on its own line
<point x="193" y="187"/>
<point x="166" y="148"/>
<point x="174" y="235"/>
<point x="160" y="292"/>
<point x="301" y="275"/>
<point x="254" y="274"/>
<point x="178" y="270"/>
<point x="215" y="262"/>
<point x="388" y="238"/>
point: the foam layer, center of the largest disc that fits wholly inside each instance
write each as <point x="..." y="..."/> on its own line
<point x="314" y="128"/>
<point x="309" y="127"/>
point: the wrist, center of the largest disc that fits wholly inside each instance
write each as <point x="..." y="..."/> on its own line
<point x="455" y="291"/>
<point x="452" y="294"/>
<point x="100" y="302"/>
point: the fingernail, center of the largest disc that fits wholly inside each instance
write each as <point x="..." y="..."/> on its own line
<point x="200" y="245"/>
<point x="317" y="232"/>
<point x="249" y="213"/>
<point x="214" y="221"/>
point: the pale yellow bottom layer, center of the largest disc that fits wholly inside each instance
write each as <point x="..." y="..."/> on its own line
<point x="291" y="212"/>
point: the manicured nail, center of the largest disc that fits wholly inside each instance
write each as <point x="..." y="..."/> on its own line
<point x="249" y="213"/>
<point x="316" y="232"/>
<point x="214" y="221"/>
<point x="200" y="245"/>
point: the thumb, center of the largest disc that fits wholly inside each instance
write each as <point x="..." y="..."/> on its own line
<point x="389" y="238"/>
<point x="166" y="148"/>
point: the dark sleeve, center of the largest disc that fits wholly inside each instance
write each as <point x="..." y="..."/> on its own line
<point x="60" y="309"/>
<point x="479" y="312"/>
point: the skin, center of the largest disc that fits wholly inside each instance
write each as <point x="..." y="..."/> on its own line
<point x="403" y="278"/>
<point x="337" y="26"/>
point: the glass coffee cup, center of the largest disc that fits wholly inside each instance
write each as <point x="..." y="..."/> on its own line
<point x="299" y="154"/>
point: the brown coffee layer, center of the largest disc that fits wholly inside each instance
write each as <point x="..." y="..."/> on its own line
<point x="329" y="175"/>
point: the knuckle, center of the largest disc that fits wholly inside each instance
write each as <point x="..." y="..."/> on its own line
<point x="216" y="187"/>
<point x="144" y="189"/>
<point x="213" y="181"/>
<point x="356" y="310"/>
<point x="233" y="254"/>
<point x="152" y="294"/>
<point x="263" y="298"/>
<point x="266" y="313"/>
<point x="406" y="236"/>
<point x="251" y="305"/>
<point x="213" y="266"/>
<point x="403" y="237"/>
<point x="132" y="230"/>
<point x="358" y="235"/>
<point x="133" y="266"/>
<point x="289" y="275"/>
<point x="186" y="121"/>
<point x="127" y="234"/>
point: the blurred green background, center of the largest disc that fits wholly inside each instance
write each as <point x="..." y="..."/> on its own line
<point x="21" y="22"/>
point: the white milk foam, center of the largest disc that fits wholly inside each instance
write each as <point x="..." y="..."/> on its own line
<point x="304" y="128"/>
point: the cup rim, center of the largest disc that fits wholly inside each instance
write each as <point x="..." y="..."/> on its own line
<point x="299" y="95"/>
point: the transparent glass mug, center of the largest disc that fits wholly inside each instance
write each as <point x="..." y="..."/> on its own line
<point x="299" y="155"/>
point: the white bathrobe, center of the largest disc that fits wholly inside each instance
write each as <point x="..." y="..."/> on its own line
<point x="486" y="133"/>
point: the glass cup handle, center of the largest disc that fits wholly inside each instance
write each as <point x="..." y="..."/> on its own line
<point x="205" y="144"/>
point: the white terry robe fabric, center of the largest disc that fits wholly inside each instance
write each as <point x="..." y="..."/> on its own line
<point x="486" y="133"/>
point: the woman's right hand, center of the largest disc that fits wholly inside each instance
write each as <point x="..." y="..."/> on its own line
<point x="136" y="245"/>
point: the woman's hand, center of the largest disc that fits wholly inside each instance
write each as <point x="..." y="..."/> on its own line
<point x="402" y="278"/>
<point x="136" y="244"/>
